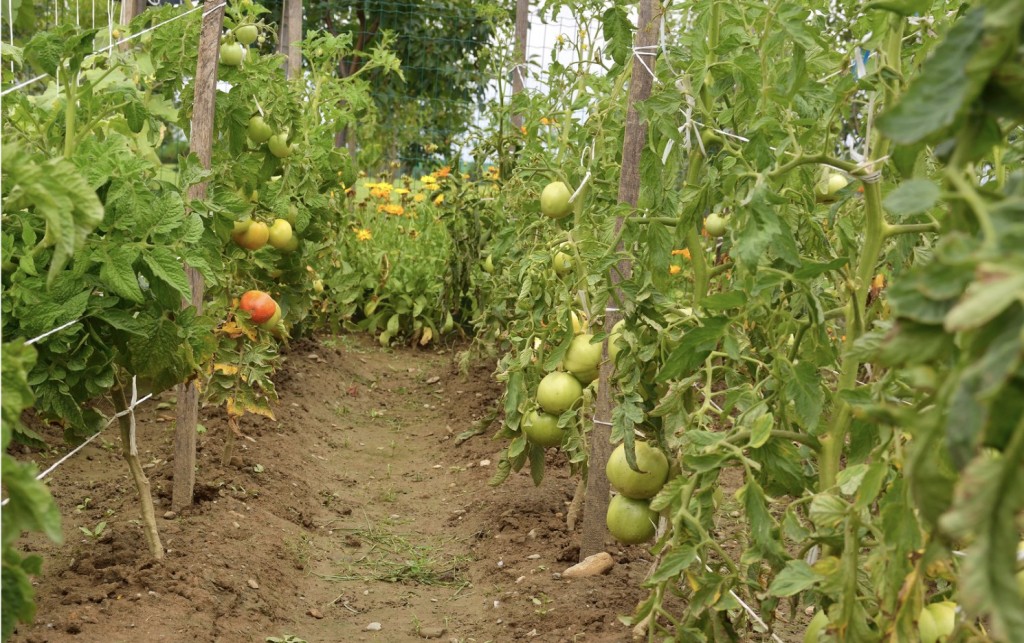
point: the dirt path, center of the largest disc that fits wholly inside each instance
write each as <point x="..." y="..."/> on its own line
<point x="354" y="508"/>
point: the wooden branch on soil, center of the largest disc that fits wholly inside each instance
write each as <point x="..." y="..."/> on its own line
<point x="156" y="548"/>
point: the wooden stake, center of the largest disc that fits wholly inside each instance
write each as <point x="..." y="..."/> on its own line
<point x="640" y="83"/>
<point x="201" y="144"/>
<point x="291" y="34"/>
<point x="518" y="72"/>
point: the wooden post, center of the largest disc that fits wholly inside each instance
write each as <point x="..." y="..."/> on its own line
<point x="291" y="34"/>
<point x="640" y="83"/>
<point x="522" y="25"/>
<point x="129" y="10"/>
<point x="201" y="143"/>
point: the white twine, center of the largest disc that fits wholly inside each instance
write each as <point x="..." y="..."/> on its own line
<point x="133" y="36"/>
<point x="602" y="422"/>
<point x="128" y="411"/>
<point x="640" y="53"/>
<point x="51" y="332"/>
<point x="748" y="609"/>
<point x="586" y="179"/>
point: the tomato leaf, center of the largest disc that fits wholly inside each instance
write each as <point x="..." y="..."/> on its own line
<point x="988" y="497"/>
<point x="803" y="387"/>
<point x="693" y="349"/>
<point x="994" y="289"/>
<point x="169" y="269"/>
<point x="117" y="274"/>
<point x="794" y="578"/>
<point x="912" y="197"/>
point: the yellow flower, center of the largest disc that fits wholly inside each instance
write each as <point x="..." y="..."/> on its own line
<point x="420" y="198"/>
<point x="402" y="191"/>
<point x="522" y="128"/>
<point x="674" y="269"/>
<point x="439" y="200"/>
<point x="684" y="253"/>
<point x="395" y="209"/>
<point x="428" y="180"/>
<point x="465" y="177"/>
<point x="363" y="234"/>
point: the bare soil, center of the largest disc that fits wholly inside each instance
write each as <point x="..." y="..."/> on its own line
<point x="354" y="507"/>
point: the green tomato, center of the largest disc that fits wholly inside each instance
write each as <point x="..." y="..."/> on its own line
<point x="247" y="34"/>
<point x="488" y="265"/>
<point x="279" y="146"/>
<point x="561" y="263"/>
<point x="231" y="54"/>
<point x="554" y="200"/>
<point x="258" y="131"/>
<point x="715" y="224"/>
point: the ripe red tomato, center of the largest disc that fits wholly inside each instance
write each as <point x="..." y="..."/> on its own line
<point x="259" y="305"/>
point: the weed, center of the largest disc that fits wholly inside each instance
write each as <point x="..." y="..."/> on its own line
<point x="96" y="531"/>
<point x="393" y="558"/>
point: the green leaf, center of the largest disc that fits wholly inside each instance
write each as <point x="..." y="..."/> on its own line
<point x="618" y="34"/>
<point x="762" y="526"/>
<point x="989" y="496"/>
<point x="803" y="387"/>
<point x="169" y="269"/>
<point x="117" y="273"/>
<point x="912" y="197"/>
<point x="760" y="224"/>
<point x="673" y="564"/>
<point x="901" y="7"/>
<point x="955" y="74"/>
<point x="994" y="289"/>
<point x="794" y="578"/>
<point x="693" y="349"/>
<point x="850" y="478"/>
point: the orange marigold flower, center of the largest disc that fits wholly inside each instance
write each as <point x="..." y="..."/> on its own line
<point x="684" y="253"/>
<point x="443" y="172"/>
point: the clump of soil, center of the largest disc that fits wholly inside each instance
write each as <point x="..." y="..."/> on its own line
<point x="354" y="516"/>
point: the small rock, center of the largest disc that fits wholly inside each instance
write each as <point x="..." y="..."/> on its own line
<point x="484" y="463"/>
<point x="533" y="557"/>
<point x="532" y="534"/>
<point x="252" y="583"/>
<point x="431" y="632"/>
<point x="501" y="564"/>
<point x="520" y="579"/>
<point x="599" y="563"/>
<point x="433" y="380"/>
<point x="170" y="515"/>
<point x="314" y="612"/>
<point x="532" y="633"/>
<point x="497" y="604"/>
<point x="556" y="576"/>
<point x="373" y="627"/>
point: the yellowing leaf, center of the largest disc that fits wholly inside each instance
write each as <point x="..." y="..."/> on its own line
<point x="227" y="369"/>
<point x="427" y="336"/>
